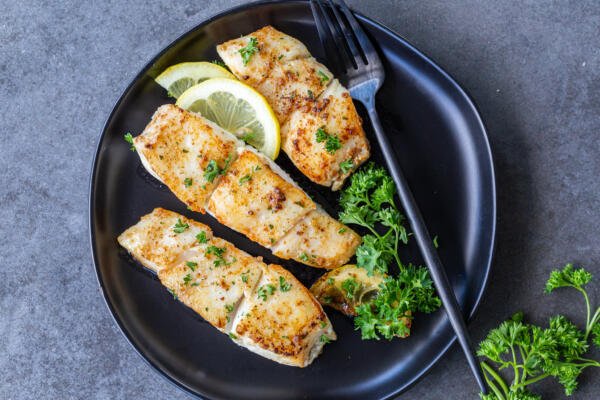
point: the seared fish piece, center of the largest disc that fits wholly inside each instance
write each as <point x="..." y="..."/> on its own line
<point x="272" y="47"/>
<point x="258" y="305"/>
<point x="333" y="114"/>
<point x="319" y="241"/>
<point x="210" y="170"/>
<point x="256" y="201"/>
<point x="305" y="98"/>
<point x="347" y="287"/>
<point x="288" y="322"/>
<point x="294" y="84"/>
<point x="161" y="237"/>
<point x="186" y="152"/>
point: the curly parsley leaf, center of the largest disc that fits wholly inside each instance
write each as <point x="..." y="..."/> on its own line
<point x="180" y="226"/>
<point x="332" y="142"/>
<point x="534" y="353"/>
<point x="568" y="277"/>
<point x="129" y="139"/>
<point x="265" y="291"/>
<point x="390" y="313"/>
<point x="248" y="51"/>
<point x="346" y="166"/>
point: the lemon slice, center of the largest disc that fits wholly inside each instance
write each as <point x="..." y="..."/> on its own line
<point x="180" y="77"/>
<point x="237" y="108"/>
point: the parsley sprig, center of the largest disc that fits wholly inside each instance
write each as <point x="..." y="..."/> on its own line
<point x="390" y="314"/>
<point x="369" y="202"/>
<point x="535" y="353"/>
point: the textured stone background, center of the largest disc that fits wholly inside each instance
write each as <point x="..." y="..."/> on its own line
<point x="533" y="67"/>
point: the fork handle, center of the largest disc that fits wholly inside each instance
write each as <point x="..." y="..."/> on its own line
<point x="432" y="260"/>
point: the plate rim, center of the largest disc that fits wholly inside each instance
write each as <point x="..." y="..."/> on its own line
<point x="240" y="8"/>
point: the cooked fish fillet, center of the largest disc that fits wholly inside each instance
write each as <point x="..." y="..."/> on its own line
<point x="262" y="307"/>
<point x="273" y="47"/>
<point x="305" y="97"/>
<point x="294" y="84"/>
<point x="319" y="241"/>
<point x="185" y="152"/>
<point x="335" y="114"/>
<point x="253" y="195"/>
<point x="289" y="322"/>
<point x="254" y="200"/>
<point x="154" y="242"/>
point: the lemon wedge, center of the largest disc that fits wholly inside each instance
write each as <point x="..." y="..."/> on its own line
<point x="180" y="77"/>
<point x="237" y="108"/>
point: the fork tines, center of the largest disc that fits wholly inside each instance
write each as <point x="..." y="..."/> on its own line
<point x="341" y="35"/>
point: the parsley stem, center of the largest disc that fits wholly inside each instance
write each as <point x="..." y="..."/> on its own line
<point x="595" y="319"/>
<point x="494" y="388"/>
<point x="532" y="380"/>
<point x="497" y="377"/>
<point x="514" y="356"/>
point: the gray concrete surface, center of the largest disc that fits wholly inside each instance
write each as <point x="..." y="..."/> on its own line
<point x="533" y="67"/>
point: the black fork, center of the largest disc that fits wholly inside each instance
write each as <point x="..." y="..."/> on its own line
<point x="357" y="64"/>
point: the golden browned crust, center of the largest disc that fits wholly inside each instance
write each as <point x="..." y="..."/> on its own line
<point x="256" y="201"/>
<point x="252" y="195"/>
<point x="305" y="97"/>
<point x="335" y="114"/>
<point x="319" y="241"/>
<point x="288" y="322"/>
<point x="223" y="285"/>
<point x="180" y="146"/>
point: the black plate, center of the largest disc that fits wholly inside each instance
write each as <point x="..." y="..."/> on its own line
<point x="442" y="145"/>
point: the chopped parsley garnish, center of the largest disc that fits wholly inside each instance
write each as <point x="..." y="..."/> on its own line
<point x="310" y="94"/>
<point x="325" y="339"/>
<point x="229" y="307"/>
<point x="201" y="237"/>
<point x="232" y="336"/>
<point x="180" y="226"/>
<point x="265" y="291"/>
<point x="346" y="166"/>
<point x="332" y="143"/>
<point x="435" y="242"/>
<point x="350" y="286"/>
<point x="188" y="182"/>
<point x="248" y="51"/>
<point x="192" y="265"/>
<point x="129" y="139"/>
<point x="212" y="170"/>
<point x="284" y="286"/>
<point x="218" y="253"/>
<point x="172" y="293"/>
<point x="245" y="178"/>
<point x="303" y="256"/>
<point x="322" y="76"/>
<point x="245" y="277"/>
<point x="330" y="281"/>
<point x="280" y="57"/>
<point x="342" y="230"/>
<point x="248" y="137"/>
<point x="323" y="324"/>
<point x="187" y="279"/>
<point x="195" y="284"/>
